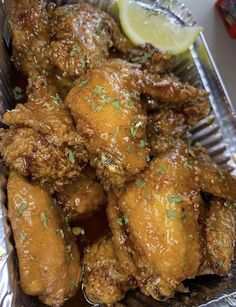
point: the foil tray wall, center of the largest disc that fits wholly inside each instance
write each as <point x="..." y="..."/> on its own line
<point x="216" y="133"/>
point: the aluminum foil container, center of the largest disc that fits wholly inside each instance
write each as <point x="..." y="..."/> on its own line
<point x="216" y="133"/>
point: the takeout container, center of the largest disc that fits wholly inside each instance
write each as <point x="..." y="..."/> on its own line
<point x="216" y="133"/>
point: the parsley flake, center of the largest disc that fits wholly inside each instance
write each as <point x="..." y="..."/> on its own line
<point x="184" y="218"/>
<point x="97" y="90"/>
<point x="117" y="131"/>
<point x="171" y="213"/>
<point x="34" y="258"/>
<point x="44" y="219"/>
<point x="123" y="220"/>
<point x="142" y="144"/>
<point x="18" y="93"/>
<point x="140" y="183"/>
<point x="74" y="50"/>
<point x="83" y="83"/>
<point x="57" y="98"/>
<point x="73" y="283"/>
<point x="141" y="58"/>
<point x="22" y="208"/>
<point x="70" y="155"/>
<point x="22" y="238"/>
<point x="161" y="170"/>
<point x="175" y="198"/>
<point x="129" y="149"/>
<point x="148" y="158"/>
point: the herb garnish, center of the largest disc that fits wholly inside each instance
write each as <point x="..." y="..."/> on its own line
<point x="161" y="170"/>
<point x="129" y="149"/>
<point x="117" y="131"/>
<point x="98" y="90"/>
<point x="142" y="144"/>
<point x="34" y="257"/>
<point x="83" y="83"/>
<point x="123" y="220"/>
<point x="22" y="208"/>
<point x="74" y="50"/>
<point x="142" y="58"/>
<point x="18" y="93"/>
<point x="44" y="219"/>
<point x="171" y="213"/>
<point x="140" y="183"/>
<point x="70" y="155"/>
<point x="73" y="283"/>
<point x="22" y="238"/>
<point x="175" y="198"/>
<point x="57" y="98"/>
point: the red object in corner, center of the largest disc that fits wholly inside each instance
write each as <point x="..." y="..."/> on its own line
<point x="227" y="12"/>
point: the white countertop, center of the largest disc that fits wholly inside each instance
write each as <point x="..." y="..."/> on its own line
<point x="222" y="47"/>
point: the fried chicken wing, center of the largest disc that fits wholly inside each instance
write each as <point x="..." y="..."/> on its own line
<point x="219" y="234"/>
<point x="105" y="104"/>
<point x="31" y="35"/>
<point x="42" y="142"/>
<point x="157" y="231"/>
<point x="83" y="197"/>
<point x="107" y="112"/>
<point x="48" y="256"/>
<point x="104" y="280"/>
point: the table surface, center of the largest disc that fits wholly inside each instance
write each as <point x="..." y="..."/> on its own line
<point x="222" y="47"/>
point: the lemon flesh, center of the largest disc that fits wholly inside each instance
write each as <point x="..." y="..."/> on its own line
<point x="145" y="26"/>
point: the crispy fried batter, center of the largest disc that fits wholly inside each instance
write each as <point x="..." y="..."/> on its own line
<point x="104" y="280"/>
<point x="83" y="197"/>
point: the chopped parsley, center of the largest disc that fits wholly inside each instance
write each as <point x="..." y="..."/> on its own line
<point x="98" y="90"/>
<point x="83" y="83"/>
<point x="22" y="208"/>
<point x="22" y="238"/>
<point x="74" y="50"/>
<point x="130" y="104"/>
<point x="70" y="155"/>
<point x="44" y="219"/>
<point x="117" y="131"/>
<point x="57" y="98"/>
<point x="175" y="198"/>
<point x="140" y="183"/>
<point x="73" y="283"/>
<point x="133" y="131"/>
<point x="141" y="58"/>
<point x="142" y="144"/>
<point x="184" y="218"/>
<point x="129" y="149"/>
<point x="78" y="231"/>
<point x="171" y="213"/>
<point x="61" y="232"/>
<point x="123" y="220"/>
<point x="161" y="170"/>
<point x="18" y="93"/>
<point x="148" y="158"/>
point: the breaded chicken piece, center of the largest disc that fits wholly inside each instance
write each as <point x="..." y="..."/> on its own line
<point x="31" y="34"/>
<point x="104" y="280"/>
<point x="42" y="141"/>
<point x="49" y="261"/>
<point x="106" y="109"/>
<point x="219" y="235"/>
<point x="83" y="197"/>
<point x="105" y="104"/>
<point x="164" y="128"/>
<point x="156" y="226"/>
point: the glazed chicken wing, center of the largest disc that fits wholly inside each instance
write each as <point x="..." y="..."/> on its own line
<point x="155" y="224"/>
<point x="46" y="146"/>
<point x="104" y="280"/>
<point x="83" y="197"/>
<point x="105" y="104"/>
<point x="48" y="256"/>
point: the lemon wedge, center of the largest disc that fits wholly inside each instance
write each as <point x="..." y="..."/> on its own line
<point x="145" y="26"/>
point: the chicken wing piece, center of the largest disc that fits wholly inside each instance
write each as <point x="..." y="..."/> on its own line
<point x="31" y="35"/>
<point x="167" y="89"/>
<point x="218" y="235"/>
<point x="83" y="197"/>
<point x="50" y="131"/>
<point x="47" y="253"/>
<point x="164" y="128"/>
<point x="104" y="280"/>
<point x="105" y="106"/>
<point x="29" y="153"/>
<point x="159" y="215"/>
